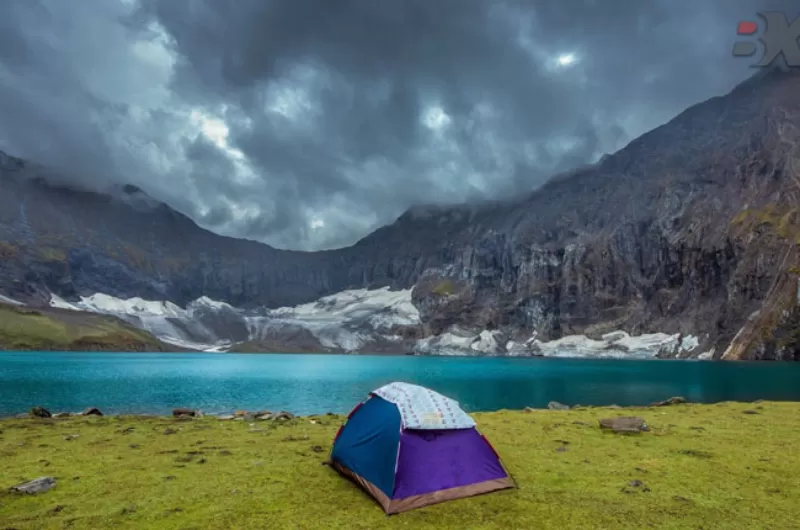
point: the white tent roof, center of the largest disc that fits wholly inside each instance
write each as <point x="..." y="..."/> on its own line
<point x="422" y="408"/>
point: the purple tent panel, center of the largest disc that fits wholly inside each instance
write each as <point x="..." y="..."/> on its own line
<point x="438" y="460"/>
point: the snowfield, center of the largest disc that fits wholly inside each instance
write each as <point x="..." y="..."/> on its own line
<point x="352" y="321"/>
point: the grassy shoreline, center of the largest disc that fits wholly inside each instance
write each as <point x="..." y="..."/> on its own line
<point x="726" y="465"/>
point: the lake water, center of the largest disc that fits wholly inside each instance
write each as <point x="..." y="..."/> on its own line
<point x="312" y="384"/>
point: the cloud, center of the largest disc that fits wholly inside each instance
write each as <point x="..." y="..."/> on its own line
<point x="307" y="124"/>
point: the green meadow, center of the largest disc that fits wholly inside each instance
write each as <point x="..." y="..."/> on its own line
<point x="728" y="465"/>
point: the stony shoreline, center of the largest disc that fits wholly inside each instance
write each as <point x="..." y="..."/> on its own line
<point x="282" y="415"/>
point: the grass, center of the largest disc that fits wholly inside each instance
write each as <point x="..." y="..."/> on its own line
<point x="7" y="250"/>
<point x="51" y="254"/>
<point x="783" y="222"/>
<point x="444" y="288"/>
<point x="704" y="466"/>
<point x="50" y="329"/>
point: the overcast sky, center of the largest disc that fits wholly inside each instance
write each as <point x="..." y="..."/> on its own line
<point x="307" y="124"/>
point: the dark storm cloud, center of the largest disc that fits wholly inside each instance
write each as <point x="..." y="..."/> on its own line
<point x="306" y="124"/>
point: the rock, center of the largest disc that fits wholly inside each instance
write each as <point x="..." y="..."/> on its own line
<point x="60" y="415"/>
<point x="70" y="437"/>
<point x="23" y="416"/>
<point x="91" y="411"/>
<point x="40" y="412"/>
<point x="624" y="424"/>
<point x="184" y="412"/>
<point x="262" y="413"/>
<point x="528" y="409"/>
<point x="677" y="400"/>
<point x="614" y="406"/>
<point x="750" y="412"/>
<point x="635" y="486"/>
<point x="240" y="413"/>
<point x="695" y="453"/>
<point x="248" y="417"/>
<point x="555" y="405"/>
<point x="282" y="416"/>
<point x="226" y="417"/>
<point x="39" y="485"/>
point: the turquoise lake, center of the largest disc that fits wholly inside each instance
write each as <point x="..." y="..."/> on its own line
<point x="312" y="384"/>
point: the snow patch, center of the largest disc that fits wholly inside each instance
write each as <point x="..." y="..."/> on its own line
<point x="347" y="321"/>
<point x="160" y="318"/>
<point x="205" y="301"/>
<point x="617" y="344"/>
<point x="352" y="320"/>
<point x="103" y="303"/>
<point x="380" y="308"/>
<point x="445" y="344"/>
<point x="59" y="303"/>
<point x="487" y="342"/>
<point x="706" y="355"/>
<point x="7" y="300"/>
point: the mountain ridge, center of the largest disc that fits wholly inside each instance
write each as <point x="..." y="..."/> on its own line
<point x="688" y="229"/>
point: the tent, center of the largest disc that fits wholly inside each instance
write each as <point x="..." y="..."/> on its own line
<point x="410" y="447"/>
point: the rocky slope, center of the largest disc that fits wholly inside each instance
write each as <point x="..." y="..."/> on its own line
<point x="691" y="230"/>
<point x="23" y="328"/>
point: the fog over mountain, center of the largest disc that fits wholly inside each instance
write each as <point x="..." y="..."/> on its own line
<point x="308" y="124"/>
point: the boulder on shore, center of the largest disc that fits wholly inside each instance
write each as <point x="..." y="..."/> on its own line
<point x="40" y="412"/>
<point x="184" y="412"/>
<point x="91" y="411"/>
<point x="555" y="405"/>
<point x="624" y="424"/>
<point x="39" y="485"/>
<point x="677" y="400"/>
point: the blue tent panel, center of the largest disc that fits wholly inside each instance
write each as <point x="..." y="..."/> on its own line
<point x="368" y="443"/>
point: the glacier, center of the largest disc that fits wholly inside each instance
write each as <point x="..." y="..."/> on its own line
<point x="354" y="321"/>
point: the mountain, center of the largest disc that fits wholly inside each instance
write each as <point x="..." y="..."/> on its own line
<point x="686" y="239"/>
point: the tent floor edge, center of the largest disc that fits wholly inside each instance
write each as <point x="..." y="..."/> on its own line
<point x="368" y="487"/>
<point x="460" y="492"/>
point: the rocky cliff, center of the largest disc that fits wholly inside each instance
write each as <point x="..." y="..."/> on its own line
<point x="691" y="229"/>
